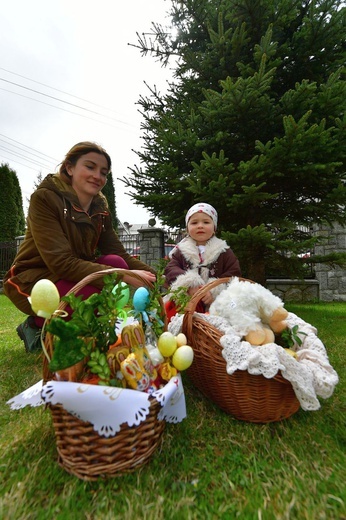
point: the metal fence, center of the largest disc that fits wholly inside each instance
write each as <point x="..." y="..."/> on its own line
<point x="8" y="251"/>
<point x="133" y="246"/>
<point x="131" y="243"/>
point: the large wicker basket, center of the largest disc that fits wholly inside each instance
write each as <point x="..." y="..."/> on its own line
<point x="247" y="397"/>
<point x="81" y="450"/>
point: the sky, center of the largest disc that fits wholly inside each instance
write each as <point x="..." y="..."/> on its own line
<point x="68" y="74"/>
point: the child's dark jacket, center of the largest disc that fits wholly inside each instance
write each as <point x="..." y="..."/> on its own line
<point x="185" y="268"/>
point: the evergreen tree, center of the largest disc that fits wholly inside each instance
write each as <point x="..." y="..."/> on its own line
<point x="253" y="123"/>
<point x="12" y="221"/>
<point x="108" y="192"/>
<point x="37" y="182"/>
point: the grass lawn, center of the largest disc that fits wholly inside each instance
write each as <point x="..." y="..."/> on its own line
<point x="210" y="466"/>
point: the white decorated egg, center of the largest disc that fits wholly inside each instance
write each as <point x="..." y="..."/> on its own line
<point x="44" y="298"/>
<point x="181" y="339"/>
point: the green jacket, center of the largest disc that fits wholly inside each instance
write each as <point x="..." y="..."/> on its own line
<point x="62" y="241"/>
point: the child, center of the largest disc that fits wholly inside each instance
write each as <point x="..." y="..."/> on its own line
<point x="199" y="258"/>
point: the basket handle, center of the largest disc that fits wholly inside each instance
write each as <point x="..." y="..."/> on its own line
<point x="191" y="306"/>
<point x="100" y="274"/>
<point x="47" y="342"/>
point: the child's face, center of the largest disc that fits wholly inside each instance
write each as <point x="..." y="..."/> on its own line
<point x="200" y="227"/>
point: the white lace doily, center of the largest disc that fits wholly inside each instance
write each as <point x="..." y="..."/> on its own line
<point x="311" y="374"/>
<point x="106" y="407"/>
<point x="30" y="397"/>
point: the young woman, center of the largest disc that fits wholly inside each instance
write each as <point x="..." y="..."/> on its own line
<point x="68" y="227"/>
<point x="199" y="258"/>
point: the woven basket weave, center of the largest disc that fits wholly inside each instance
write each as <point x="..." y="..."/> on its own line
<point x="81" y="450"/>
<point x="251" y="398"/>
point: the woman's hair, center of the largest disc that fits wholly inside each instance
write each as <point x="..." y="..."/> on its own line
<point x="77" y="151"/>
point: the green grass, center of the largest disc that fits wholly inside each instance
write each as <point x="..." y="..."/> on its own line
<point x="210" y="466"/>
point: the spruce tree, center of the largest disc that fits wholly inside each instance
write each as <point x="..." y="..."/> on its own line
<point x="108" y="192"/>
<point x="12" y="221"/>
<point x="253" y="123"/>
<point x="37" y="182"/>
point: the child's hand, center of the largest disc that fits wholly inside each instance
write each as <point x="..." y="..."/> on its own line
<point x="193" y="290"/>
<point x="208" y="298"/>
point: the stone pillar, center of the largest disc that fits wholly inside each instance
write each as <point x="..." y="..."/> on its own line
<point x="19" y="241"/>
<point x="332" y="279"/>
<point x="152" y="244"/>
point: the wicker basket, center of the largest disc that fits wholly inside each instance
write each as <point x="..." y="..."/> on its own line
<point x="247" y="397"/>
<point x="81" y="450"/>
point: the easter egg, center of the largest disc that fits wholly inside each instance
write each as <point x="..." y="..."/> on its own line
<point x="167" y="344"/>
<point x="122" y="291"/>
<point x="141" y="299"/>
<point x="278" y="326"/>
<point x="256" y="337"/>
<point x="291" y="352"/>
<point x="269" y="336"/>
<point x="279" y="314"/>
<point x="183" y="357"/>
<point x="181" y="339"/>
<point x="44" y="298"/>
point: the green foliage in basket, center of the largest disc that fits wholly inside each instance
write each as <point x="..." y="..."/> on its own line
<point x="98" y="365"/>
<point x="92" y="326"/>
<point x="290" y="337"/>
<point x="155" y="305"/>
<point x="180" y="297"/>
<point x="68" y="346"/>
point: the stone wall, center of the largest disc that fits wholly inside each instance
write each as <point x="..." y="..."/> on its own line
<point x="295" y="290"/>
<point x="329" y="285"/>
<point x="152" y="245"/>
<point x="332" y="280"/>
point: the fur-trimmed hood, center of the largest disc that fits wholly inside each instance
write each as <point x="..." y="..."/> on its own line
<point x="55" y="183"/>
<point x="213" y="248"/>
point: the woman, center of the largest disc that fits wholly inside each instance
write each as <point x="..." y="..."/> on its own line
<point x="68" y="224"/>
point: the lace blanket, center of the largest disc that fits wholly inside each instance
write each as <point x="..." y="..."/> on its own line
<point x="311" y="374"/>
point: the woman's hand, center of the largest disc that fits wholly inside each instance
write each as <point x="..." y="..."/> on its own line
<point x="135" y="282"/>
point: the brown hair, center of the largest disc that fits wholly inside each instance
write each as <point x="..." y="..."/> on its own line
<point x="77" y="151"/>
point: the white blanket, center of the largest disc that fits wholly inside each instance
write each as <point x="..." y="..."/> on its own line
<point x="311" y="374"/>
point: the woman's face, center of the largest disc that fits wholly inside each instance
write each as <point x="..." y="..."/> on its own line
<point x="201" y="228"/>
<point x="88" y="175"/>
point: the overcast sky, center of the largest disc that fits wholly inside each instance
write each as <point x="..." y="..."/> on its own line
<point x="59" y="54"/>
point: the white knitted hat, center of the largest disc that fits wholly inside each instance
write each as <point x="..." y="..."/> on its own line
<point x="202" y="207"/>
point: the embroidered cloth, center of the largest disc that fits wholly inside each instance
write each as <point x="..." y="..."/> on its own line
<point x="107" y="408"/>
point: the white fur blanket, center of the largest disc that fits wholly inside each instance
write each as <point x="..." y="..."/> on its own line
<point x="311" y="374"/>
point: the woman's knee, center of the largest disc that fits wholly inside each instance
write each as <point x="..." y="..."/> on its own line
<point x="112" y="261"/>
